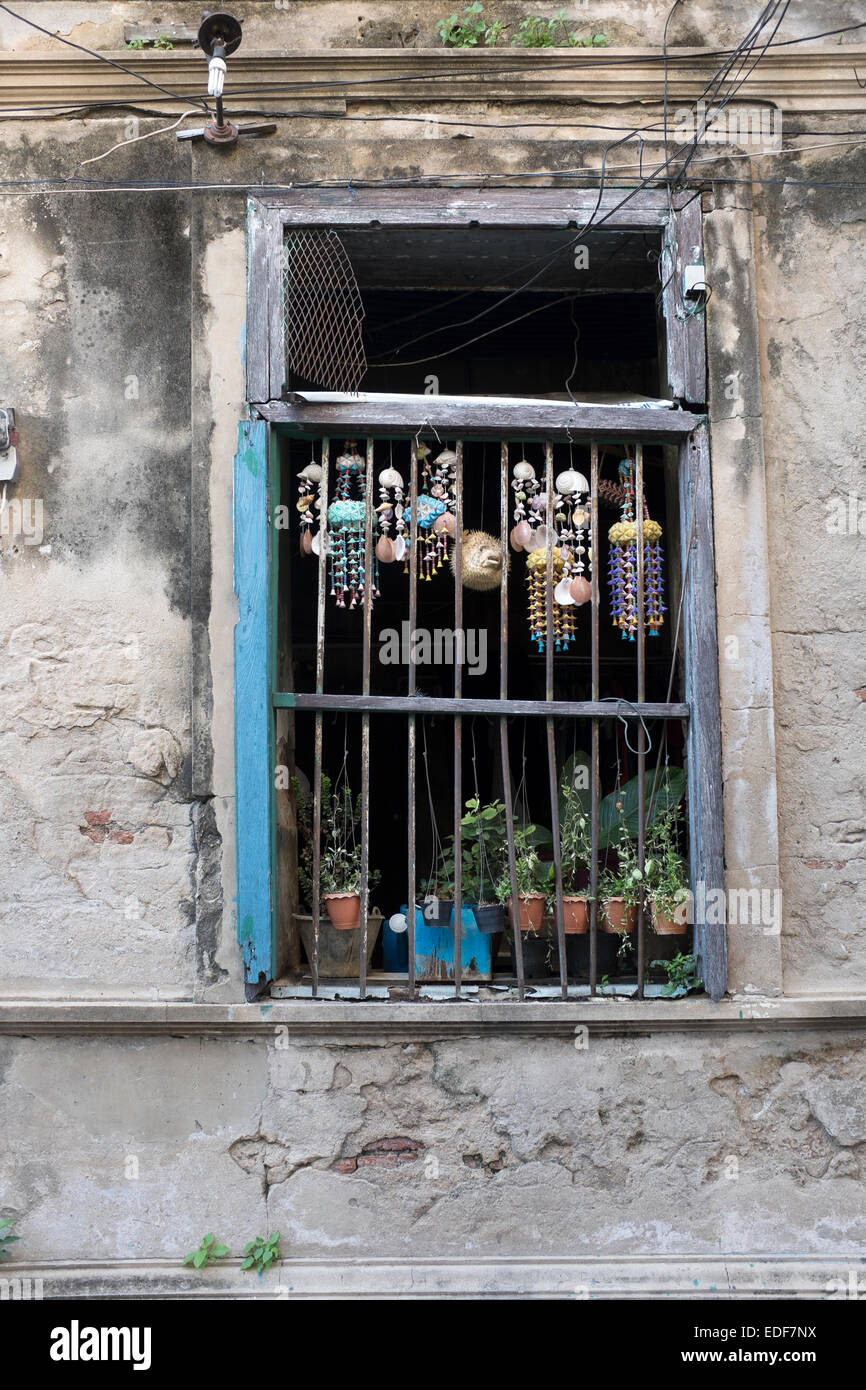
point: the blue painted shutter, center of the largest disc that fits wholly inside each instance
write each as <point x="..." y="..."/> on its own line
<point x="253" y="714"/>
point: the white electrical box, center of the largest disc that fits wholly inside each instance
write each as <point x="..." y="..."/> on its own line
<point x="8" y="451"/>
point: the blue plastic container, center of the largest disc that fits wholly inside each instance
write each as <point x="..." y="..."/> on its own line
<point x="434" y="950"/>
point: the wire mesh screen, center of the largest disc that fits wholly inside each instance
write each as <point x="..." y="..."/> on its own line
<point x="322" y="312"/>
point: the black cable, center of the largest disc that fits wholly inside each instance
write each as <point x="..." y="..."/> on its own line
<point x="92" y="53"/>
<point x="689" y="57"/>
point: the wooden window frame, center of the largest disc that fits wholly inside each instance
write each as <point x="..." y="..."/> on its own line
<point x="256" y="486"/>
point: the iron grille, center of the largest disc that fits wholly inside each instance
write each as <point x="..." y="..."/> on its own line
<point x="322" y="312"/>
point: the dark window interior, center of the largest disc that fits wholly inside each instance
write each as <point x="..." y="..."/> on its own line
<point x="608" y="325"/>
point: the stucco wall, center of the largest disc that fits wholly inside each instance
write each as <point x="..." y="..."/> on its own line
<point x="122" y="354"/>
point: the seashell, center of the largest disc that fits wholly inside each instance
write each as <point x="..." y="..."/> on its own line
<point x="581" y="590"/>
<point x="437" y="490"/>
<point x="520" y="535"/>
<point x="398" y="922"/>
<point x="539" y="504"/>
<point x="523" y="471"/>
<point x="449" y="524"/>
<point x="562" y="593"/>
<point x="317" y="546"/>
<point x="570" y="482"/>
<point x="399" y="548"/>
<point x="303" y="503"/>
<point x="447" y="457"/>
<point x="306" y="543"/>
<point x="389" y="477"/>
<point x="385" y="550"/>
<point x="384" y="507"/>
<point x="537" y="539"/>
<point x="312" y="473"/>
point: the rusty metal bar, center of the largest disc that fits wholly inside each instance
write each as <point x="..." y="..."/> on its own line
<point x="641" y="732"/>
<point x="551" y="741"/>
<point x="423" y="704"/>
<point x="505" y="529"/>
<point x="595" y="557"/>
<point x="367" y="601"/>
<point x="320" y="686"/>
<point x="458" y="722"/>
<point x="413" y="623"/>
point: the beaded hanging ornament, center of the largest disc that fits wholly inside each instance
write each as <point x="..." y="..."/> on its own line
<point x="391" y="512"/>
<point x="622" y="567"/>
<point x="347" y="517"/>
<point x="570" y="527"/>
<point x="437" y="522"/>
<point x="309" y="486"/>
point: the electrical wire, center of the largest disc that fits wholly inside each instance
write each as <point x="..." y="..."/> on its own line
<point x="462" y="72"/>
<point x="163" y="130"/>
<point x="92" y="53"/>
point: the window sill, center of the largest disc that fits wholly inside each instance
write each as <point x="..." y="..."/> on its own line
<point x="375" y="1021"/>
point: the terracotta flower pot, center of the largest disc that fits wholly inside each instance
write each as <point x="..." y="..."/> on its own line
<point x="531" y="911"/>
<point x="344" y="910"/>
<point x="575" y="913"/>
<point x="615" y="917"/>
<point x="666" y="926"/>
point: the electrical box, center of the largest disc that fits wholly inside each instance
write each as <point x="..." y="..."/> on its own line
<point x="8" y="445"/>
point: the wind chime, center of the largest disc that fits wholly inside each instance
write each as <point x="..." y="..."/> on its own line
<point x="622" y="571"/>
<point x="571" y="541"/>
<point x="437" y="506"/>
<point x="391" y="510"/>
<point x="344" y="539"/>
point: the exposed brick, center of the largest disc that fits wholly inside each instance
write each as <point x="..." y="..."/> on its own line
<point x="344" y="1165"/>
<point x="121" y="837"/>
<point x="97" y="817"/>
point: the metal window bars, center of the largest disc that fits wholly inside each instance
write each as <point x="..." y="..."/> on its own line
<point x="503" y="709"/>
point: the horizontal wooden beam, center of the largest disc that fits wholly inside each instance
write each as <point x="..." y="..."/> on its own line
<point x="425" y="704"/>
<point x="520" y="207"/>
<point x="481" y="418"/>
<point x="820" y="78"/>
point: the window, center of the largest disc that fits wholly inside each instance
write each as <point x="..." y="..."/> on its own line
<point x="326" y="691"/>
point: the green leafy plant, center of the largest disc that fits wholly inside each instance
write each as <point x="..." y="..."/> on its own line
<point x="163" y="42"/>
<point x="619" y="809"/>
<point x="536" y="32"/>
<point x="207" y="1253"/>
<point x="531" y="874"/>
<point x="625" y="880"/>
<point x="682" y="975"/>
<point x="483" y="837"/>
<point x="6" y="1236"/>
<point x="340" y="869"/>
<point x="469" y="29"/>
<point x="667" y="876"/>
<point x="261" y="1253"/>
<point x="574" y="834"/>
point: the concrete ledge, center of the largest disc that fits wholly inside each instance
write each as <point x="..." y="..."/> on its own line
<point x="375" y="1021"/>
<point x="741" y="1276"/>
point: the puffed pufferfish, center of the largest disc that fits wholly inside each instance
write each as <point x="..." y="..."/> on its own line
<point x="482" y="560"/>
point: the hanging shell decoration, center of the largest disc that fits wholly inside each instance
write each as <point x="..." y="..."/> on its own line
<point x="347" y="517"/>
<point x="391" y="511"/>
<point x="569" y="533"/>
<point x="622" y="567"/>
<point x="437" y="521"/>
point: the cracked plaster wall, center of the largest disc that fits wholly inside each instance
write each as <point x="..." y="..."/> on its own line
<point x="751" y="1144"/>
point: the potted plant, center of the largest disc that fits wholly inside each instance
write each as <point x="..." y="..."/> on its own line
<point x="340" y="866"/>
<point x="619" y="888"/>
<point x="667" y="876"/>
<point x="482" y="842"/>
<point x="575" y="852"/>
<point x="531" y="880"/>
